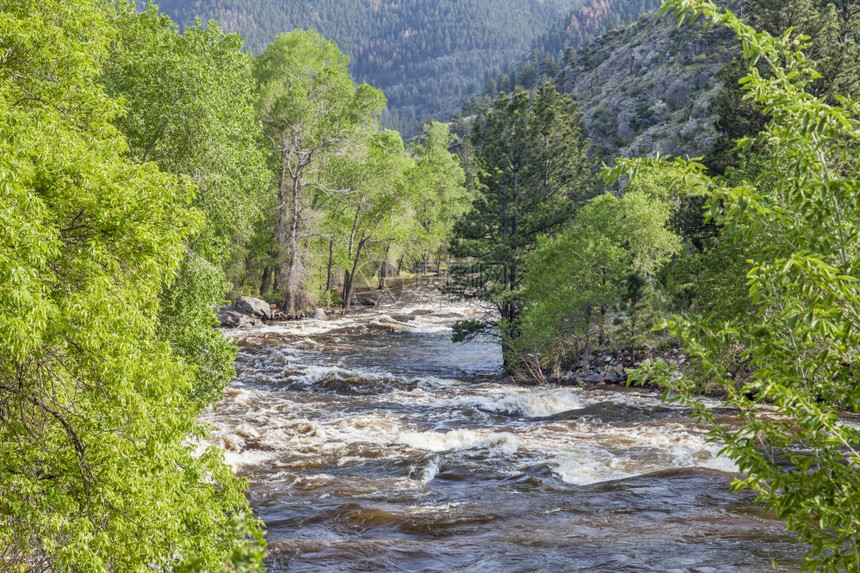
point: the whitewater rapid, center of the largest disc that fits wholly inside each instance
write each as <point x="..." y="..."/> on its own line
<point x="372" y="442"/>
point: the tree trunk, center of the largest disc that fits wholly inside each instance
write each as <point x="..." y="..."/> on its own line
<point x="292" y="277"/>
<point x="383" y="269"/>
<point x="601" y="338"/>
<point x="349" y="276"/>
<point x="329" y="266"/>
<point x="268" y="281"/>
<point x="347" y="290"/>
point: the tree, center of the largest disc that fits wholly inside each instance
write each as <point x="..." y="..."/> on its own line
<point x="376" y="205"/>
<point x="831" y="29"/>
<point x="800" y="346"/>
<point x="98" y="439"/>
<point x="530" y="165"/>
<point x="310" y="110"/>
<point x="441" y="198"/>
<point x="608" y="256"/>
<point x="190" y="109"/>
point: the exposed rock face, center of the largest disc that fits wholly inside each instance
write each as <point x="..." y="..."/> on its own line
<point x="253" y="306"/>
<point x="647" y="88"/>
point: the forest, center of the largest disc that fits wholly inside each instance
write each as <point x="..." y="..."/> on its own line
<point x="428" y="57"/>
<point x="150" y="173"/>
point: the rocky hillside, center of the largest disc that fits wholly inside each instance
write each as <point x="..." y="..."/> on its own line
<point x="647" y="88"/>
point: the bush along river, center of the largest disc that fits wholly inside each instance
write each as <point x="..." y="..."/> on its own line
<point x="373" y="443"/>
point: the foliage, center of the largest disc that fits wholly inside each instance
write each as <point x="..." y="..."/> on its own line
<point x="97" y="438"/>
<point x="375" y="207"/>
<point x="311" y="110"/>
<point x="190" y="109"/>
<point x="530" y="165"/>
<point x="831" y="29"/>
<point x="800" y="342"/>
<point x="602" y="266"/>
<point x="351" y="200"/>
<point x="440" y="196"/>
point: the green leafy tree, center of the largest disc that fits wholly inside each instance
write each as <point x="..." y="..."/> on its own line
<point x="190" y="109"/>
<point x="530" y="164"/>
<point x="604" y="263"/>
<point x="831" y="28"/>
<point x="311" y="110"/>
<point x="98" y="469"/>
<point x="376" y="206"/>
<point x="801" y="346"/>
<point x="440" y="195"/>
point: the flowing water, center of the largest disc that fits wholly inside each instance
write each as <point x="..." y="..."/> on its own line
<point x="372" y="443"/>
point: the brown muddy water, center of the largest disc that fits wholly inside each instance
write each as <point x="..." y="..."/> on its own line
<point x="372" y="443"/>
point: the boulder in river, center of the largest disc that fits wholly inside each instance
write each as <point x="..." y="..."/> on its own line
<point x="365" y="300"/>
<point x="318" y="314"/>
<point x="231" y="318"/>
<point x="253" y="306"/>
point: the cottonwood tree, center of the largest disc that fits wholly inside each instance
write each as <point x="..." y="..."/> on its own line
<point x="311" y="110"/>
<point x="530" y="164"/>
<point x="374" y="206"/>
<point x="801" y="342"/>
<point x="440" y="196"/>
<point x="98" y="470"/>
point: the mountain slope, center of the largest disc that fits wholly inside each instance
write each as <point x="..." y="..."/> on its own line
<point x="427" y="55"/>
<point x="647" y="88"/>
<point x="558" y="45"/>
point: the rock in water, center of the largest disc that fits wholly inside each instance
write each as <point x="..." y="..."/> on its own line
<point x="253" y="306"/>
<point x="319" y="314"/>
<point x="231" y="318"/>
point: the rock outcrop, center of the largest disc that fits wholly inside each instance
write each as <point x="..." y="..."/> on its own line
<point x="647" y="88"/>
<point x="319" y="314"/>
<point x="229" y="317"/>
<point x="601" y="367"/>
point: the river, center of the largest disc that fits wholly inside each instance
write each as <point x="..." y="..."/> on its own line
<point x="372" y="443"/>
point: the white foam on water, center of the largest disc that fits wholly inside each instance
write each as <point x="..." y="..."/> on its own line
<point x="239" y="396"/>
<point x="389" y="322"/>
<point x="313" y="374"/>
<point x="429" y="469"/>
<point x="586" y="467"/>
<point x="530" y="402"/>
<point x="298" y="328"/>
<point x="456" y="440"/>
<point x="435" y="509"/>
<point x="432" y="383"/>
<point x="606" y="452"/>
<point x="429" y="323"/>
<point x="247" y="458"/>
<point x="247" y="431"/>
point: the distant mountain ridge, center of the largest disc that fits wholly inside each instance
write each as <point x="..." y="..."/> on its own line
<point x="428" y="56"/>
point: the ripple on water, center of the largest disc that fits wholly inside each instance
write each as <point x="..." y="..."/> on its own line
<point x="372" y="442"/>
